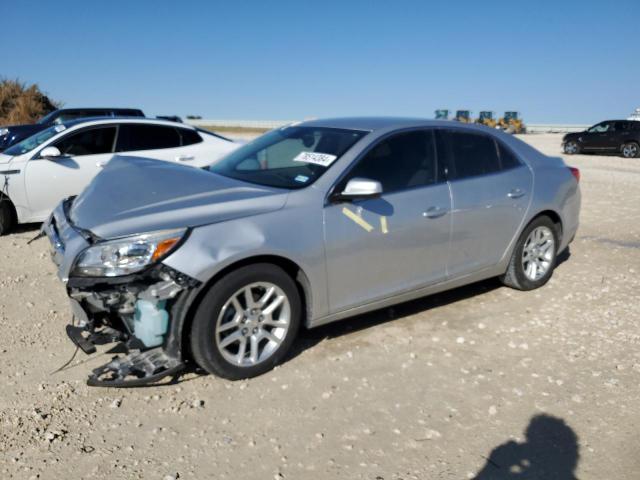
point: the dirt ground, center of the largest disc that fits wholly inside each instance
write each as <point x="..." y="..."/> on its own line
<point x="482" y="381"/>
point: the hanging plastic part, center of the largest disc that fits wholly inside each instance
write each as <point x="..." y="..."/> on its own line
<point x="136" y="370"/>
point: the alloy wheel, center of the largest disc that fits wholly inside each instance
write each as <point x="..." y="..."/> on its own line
<point x="252" y="324"/>
<point x="630" y="150"/>
<point x="538" y="252"/>
<point x="571" y="148"/>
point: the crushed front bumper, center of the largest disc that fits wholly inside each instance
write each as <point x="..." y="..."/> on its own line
<point x="142" y="314"/>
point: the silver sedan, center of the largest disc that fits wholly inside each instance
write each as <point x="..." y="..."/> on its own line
<point x="308" y="224"/>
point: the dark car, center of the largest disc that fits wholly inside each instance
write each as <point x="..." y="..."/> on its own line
<point x="12" y="134"/>
<point x="171" y="118"/>
<point x="612" y="136"/>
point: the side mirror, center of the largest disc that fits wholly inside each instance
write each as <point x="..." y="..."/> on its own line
<point x="360" y="188"/>
<point x="50" y="153"/>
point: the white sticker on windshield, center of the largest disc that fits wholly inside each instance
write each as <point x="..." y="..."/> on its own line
<point x="322" y="159"/>
<point x="59" y="128"/>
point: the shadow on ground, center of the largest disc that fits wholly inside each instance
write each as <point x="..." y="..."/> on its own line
<point x="309" y="338"/>
<point x="550" y="452"/>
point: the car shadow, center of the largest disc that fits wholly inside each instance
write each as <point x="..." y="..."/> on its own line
<point x="25" y="228"/>
<point x="308" y="338"/>
<point x="550" y="452"/>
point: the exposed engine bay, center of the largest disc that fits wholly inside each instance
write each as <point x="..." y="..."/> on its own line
<point x="135" y="313"/>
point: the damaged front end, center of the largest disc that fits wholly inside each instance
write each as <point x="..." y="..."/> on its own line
<point x="137" y="315"/>
<point x="142" y="313"/>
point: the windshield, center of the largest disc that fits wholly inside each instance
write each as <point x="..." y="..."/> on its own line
<point x="290" y="157"/>
<point x="33" y="141"/>
<point x="599" y="128"/>
<point x="48" y="118"/>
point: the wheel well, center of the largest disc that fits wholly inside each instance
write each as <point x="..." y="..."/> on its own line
<point x="555" y="218"/>
<point x="290" y="267"/>
<point x="14" y="213"/>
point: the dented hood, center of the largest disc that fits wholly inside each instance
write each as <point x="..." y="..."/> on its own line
<point x="137" y="195"/>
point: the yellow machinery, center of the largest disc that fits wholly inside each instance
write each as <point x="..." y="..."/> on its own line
<point x="511" y="123"/>
<point x="463" y="116"/>
<point x="486" y="118"/>
<point x="442" y="114"/>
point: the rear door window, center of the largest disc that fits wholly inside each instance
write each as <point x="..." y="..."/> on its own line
<point x="92" y="141"/>
<point x="132" y="137"/>
<point x="471" y="154"/>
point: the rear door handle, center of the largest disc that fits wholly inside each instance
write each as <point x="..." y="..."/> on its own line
<point x="184" y="158"/>
<point x="516" y="193"/>
<point x="100" y="164"/>
<point x="434" y="212"/>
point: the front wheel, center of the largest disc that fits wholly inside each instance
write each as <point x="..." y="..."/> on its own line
<point x="630" y="150"/>
<point x="246" y="322"/>
<point x="571" y="148"/>
<point x="534" y="257"/>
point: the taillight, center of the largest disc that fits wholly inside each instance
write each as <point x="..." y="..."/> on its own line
<point x="576" y="173"/>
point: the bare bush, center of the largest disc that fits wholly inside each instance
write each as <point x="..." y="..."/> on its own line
<point x="22" y="103"/>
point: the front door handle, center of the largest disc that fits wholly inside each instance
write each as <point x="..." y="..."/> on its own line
<point x="434" y="212"/>
<point x="100" y="164"/>
<point x="516" y="193"/>
<point x="184" y="158"/>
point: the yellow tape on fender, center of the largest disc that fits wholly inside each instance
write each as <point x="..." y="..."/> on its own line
<point x="383" y="225"/>
<point x="357" y="219"/>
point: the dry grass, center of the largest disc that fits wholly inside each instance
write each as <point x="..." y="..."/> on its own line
<point x="22" y="103"/>
<point x="235" y="130"/>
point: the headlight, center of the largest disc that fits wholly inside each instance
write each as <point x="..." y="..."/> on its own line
<point x="127" y="255"/>
<point x="3" y="131"/>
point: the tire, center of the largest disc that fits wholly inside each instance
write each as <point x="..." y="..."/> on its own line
<point x="518" y="275"/>
<point x="224" y="312"/>
<point x="630" y="150"/>
<point x="571" y="147"/>
<point x="6" y="216"/>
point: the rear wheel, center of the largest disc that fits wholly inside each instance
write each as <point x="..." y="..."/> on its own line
<point x="246" y="322"/>
<point x="630" y="150"/>
<point x="571" y="147"/>
<point x="534" y="257"/>
<point x="6" y="216"/>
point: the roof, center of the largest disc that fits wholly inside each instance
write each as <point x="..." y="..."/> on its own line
<point x="385" y="123"/>
<point x="107" y="120"/>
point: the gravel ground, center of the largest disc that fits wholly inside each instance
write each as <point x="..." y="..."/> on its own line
<point x="482" y="381"/>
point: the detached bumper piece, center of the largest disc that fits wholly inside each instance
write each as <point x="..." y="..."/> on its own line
<point x="87" y="343"/>
<point x="136" y="369"/>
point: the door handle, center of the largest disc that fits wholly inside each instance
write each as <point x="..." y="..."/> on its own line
<point x="434" y="212"/>
<point x="516" y="193"/>
<point x="184" y="158"/>
<point x="101" y="164"/>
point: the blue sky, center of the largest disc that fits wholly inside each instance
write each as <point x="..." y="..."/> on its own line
<point x="557" y="62"/>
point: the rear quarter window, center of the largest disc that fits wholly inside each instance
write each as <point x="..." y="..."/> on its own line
<point x="189" y="137"/>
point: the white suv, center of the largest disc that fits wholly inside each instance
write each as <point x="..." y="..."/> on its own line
<point x="38" y="172"/>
